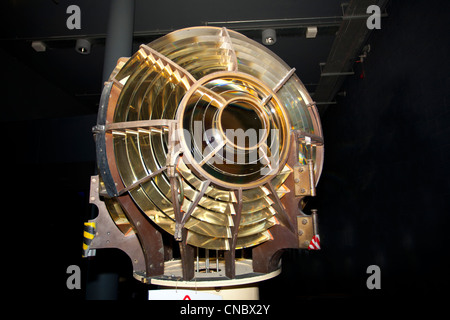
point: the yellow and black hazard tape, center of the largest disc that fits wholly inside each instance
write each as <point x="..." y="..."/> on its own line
<point x="88" y="236"/>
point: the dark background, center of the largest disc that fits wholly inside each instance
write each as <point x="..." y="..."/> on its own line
<point x="382" y="198"/>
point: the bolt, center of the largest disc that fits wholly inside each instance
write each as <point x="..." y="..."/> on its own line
<point x="301" y="169"/>
<point x="269" y="40"/>
<point x="304" y="221"/>
<point x="297" y="180"/>
<point x="303" y="190"/>
<point x="300" y="232"/>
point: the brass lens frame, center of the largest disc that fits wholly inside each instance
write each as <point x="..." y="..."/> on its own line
<point x="143" y="141"/>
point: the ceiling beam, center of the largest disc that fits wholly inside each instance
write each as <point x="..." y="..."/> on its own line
<point x="351" y="37"/>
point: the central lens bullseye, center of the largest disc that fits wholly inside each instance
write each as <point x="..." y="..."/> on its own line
<point x="240" y="115"/>
<point x="235" y="130"/>
<point x="242" y="124"/>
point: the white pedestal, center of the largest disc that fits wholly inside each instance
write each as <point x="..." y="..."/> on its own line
<point x="243" y="287"/>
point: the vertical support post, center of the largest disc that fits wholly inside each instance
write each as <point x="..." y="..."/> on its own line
<point x="230" y="255"/>
<point x="217" y="260"/>
<point x="186" y="251"/>
<point x="187" y="257"/>
<point x="119" y="37"/>
<point x="197" y="265"/>
<point x="266" y="256"/>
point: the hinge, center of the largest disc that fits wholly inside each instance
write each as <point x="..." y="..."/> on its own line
<point x="304" y="179"/>
<point x="308" y="231"/>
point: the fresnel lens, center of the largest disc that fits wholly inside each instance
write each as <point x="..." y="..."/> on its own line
<point x="206" y="144"/>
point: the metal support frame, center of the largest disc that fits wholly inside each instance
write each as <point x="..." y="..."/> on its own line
<point x="106" y="234"/>
<point x="266" y="257"/>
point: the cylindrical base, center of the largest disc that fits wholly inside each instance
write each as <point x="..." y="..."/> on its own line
<point x="243" y="287"/>
<point x="246" y="292"/>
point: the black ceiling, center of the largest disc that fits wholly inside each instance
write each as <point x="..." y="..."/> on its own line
<point x="62" y="74"/>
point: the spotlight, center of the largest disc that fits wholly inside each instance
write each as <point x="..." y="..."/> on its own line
<point x="311" y="32"/>
<point x="269" y="37"/>
<point x="38" y="46"/>
<point x="83" y="46"/>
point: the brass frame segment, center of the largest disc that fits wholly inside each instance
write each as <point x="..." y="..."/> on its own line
<point x="230" y="255"/>
<point x="278" y="86"/>
<point x="179" y="226"/>
<point x="174" y="65"/>
<point x="108" y="235"/>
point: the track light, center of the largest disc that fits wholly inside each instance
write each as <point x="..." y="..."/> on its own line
<point x="311" y="32"/>
<point x="38" y="46"/>
<point x="269" y="37"/>
<point x="83" y="46"/>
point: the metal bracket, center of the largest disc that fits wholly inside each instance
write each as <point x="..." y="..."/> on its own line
<point x="305" y="137"/>
<point x="102" y="232"/>
<point x="304" y="179"/>
<point x="307" y="228"/>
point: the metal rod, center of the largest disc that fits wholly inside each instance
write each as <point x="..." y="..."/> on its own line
<point x="333" y="74"/>
<point x="326" y="103"/>
<point x="194" y="204"/>
<point x="312" y="177"/>
<point x="278" y="22"/>
<point x="207" y="260"/>
<point x="212" y="153"/>
<point x="282" y="82"/>
<point x="140" y="181"/>
<point x="278" y="86"/>
<point x="139" y="124"/>
<point x="234" y="25"/>
<point x="362" y="16"/>
<point x="217" y="260"/>
<point x="197" y="267"/>
<point x="310" y="138"/>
